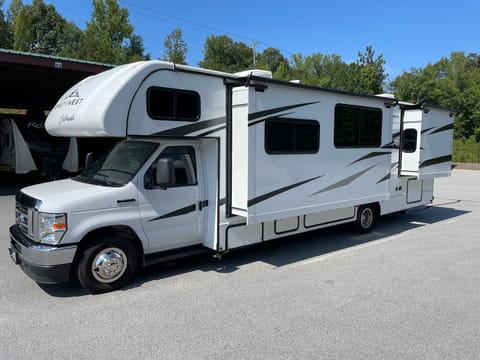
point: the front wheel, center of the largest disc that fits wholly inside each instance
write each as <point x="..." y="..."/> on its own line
<point x="106" y="265"/>
<point x="366" y="219"/>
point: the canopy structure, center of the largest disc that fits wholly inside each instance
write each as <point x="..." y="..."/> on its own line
<point x="37" y="81"/>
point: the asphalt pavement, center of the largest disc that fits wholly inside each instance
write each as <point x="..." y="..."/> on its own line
<point x="408" y="290"/>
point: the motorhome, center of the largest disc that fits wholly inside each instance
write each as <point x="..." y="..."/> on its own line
<point x="213" y="161"/>
<point x="25" y="146"/>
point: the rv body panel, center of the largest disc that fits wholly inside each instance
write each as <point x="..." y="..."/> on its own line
<point x="269" y="185"/>
<point x="250" y="159"/>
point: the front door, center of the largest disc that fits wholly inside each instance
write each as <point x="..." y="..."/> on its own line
<point x="173" y="217"/>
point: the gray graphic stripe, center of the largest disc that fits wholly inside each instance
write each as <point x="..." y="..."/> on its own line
<point x="344" y="182"/>
<point x="369" y="156"/>
<point x="271" y="194"/>
<point x="385" y="178"/>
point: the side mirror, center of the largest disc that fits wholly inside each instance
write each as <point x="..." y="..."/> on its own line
<point x="88" y="160"/>
<point x="165" y="173"/>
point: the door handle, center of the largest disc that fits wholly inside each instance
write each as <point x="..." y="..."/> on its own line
<point x="202" y="204"/>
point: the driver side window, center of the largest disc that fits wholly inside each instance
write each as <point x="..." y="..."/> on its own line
<point x="183" y="158"/>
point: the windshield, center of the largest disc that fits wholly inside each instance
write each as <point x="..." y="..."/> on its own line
<point x="119" y="165"/>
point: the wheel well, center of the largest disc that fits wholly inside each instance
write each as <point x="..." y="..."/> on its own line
<point x="122" y="231"/>
<point x="377" y="208"/>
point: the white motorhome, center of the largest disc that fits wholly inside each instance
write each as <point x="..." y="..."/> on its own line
<point x="214" y="161"/>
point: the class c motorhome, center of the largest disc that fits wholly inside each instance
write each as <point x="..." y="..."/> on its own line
<point x="216" y="161"/>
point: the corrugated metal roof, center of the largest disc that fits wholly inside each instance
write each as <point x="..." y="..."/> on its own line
<point x="59" y="58"/>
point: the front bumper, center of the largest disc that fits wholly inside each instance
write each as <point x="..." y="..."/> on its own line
<point x="43" y="263"/>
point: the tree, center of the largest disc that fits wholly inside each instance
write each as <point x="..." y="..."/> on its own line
<point x="369" y="73"/>
<point x="271" y="59"/>
<point x="452" y="82"/>
<point x="40" y="28"/>
<point x="175" y="47"/>
<point x="6" y="32"/>
<point x="109" y="35"/>
<point x="223" y="54"/>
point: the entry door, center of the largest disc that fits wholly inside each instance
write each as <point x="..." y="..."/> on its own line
<point x="411" y="136"/>
<point x="174" y="217"/>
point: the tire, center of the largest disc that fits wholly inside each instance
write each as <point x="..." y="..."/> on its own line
<point x="366" y="219"/>
<point x="106" y="265"/>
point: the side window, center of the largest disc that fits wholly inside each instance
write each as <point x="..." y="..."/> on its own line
<point x="173" y="104"/>
<point x="357" y="126"/>
<point x="183" y="158"/>
<point x="409" y="140"/>
<point x="291" y="136"/>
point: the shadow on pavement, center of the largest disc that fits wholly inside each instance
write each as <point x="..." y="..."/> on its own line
<point x="281" y="252"/>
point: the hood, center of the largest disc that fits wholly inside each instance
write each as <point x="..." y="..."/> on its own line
<point x="72" y="196"/>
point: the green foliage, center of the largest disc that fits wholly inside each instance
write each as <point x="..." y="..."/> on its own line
<point x="466" y="151"/>
<point x="273" y="60"/>
<point x="223" y="54"/>
<point x="109" y="35"/>
<point x="365" y="76"/>
<point x="39" y="28"/>
<point x="6" y="32"/>
<point x="175" y="47"/>
<point x="452" y="82"/>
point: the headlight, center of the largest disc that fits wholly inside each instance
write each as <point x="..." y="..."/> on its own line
<point x="51" y="227"/>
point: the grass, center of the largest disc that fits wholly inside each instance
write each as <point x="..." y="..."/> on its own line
<point x="466" y="151"/>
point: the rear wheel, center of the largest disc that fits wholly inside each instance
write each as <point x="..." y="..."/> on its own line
<point x="106" y="265"/>
<point x="366" y="219"/>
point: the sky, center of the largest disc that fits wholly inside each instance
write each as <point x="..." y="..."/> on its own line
<point x="408" y="33"/>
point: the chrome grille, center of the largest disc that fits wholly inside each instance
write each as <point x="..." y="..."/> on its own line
<point x="24" y="213"/>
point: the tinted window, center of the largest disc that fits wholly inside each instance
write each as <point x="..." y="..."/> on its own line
<point x="173" y="104"/>
<point x="183" y="158"/>
<point x="291" y="136"/>
<point x="409" y="140"/>
<point x="357" y="126"/>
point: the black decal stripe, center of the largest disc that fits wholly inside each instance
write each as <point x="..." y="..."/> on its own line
<point x="270" y="117"/>
<point x="182" y="211"/>
<point x="443" y="128"/>
<point x="369" y="156"/>
<point x="436" y="161"/>
<point x="385" y="178"/>
<point x="390" y="145"/>
<point x="269" y="195"/>
<point x="344" y="182"/>
<point x="190" y="128"/>
<point x="263" y="113"/>
<point x="212" y="131"/>
<point x="424" y="131"/>
<point x="394" y="135"/>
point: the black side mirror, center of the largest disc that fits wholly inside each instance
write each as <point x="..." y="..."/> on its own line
<point x="165" y="173"/>
<point x="88" y="160"/>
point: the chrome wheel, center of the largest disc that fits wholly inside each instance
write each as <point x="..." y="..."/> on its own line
<point x="366" y="217"/>
<point x="109" y="265"/>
